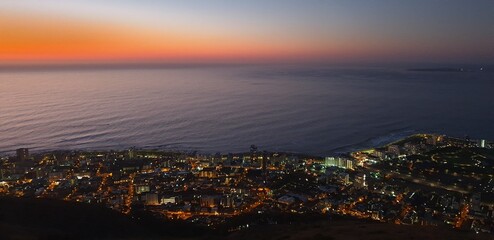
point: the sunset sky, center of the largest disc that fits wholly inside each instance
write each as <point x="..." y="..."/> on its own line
<point x="227" y="30"/>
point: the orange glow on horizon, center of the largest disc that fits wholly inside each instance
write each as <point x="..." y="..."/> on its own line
<point x="47" y="38"/>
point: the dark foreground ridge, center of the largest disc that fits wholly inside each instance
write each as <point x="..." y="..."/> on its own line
<point x="32" y="218"/>
<point x="22" y="218"/>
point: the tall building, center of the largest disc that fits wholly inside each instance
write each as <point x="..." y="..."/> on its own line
<point x="264" y="161"/>
<point x="131" y="153"/>
<point x="482" y="143"/>
<point x="253" y="153"/>
<point x="22" y="154"/>
<point x="360" y="181"/>
<point x="330" y="161"/>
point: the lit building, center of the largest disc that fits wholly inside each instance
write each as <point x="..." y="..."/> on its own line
<point x="330" y="161"/>
<point x="345" y="178"/>
<point x="482" y="143"/>
<point x="360" y="181"/>
<point x="208" y="173"/>
<point x="338" y="162"/>
<point x="166" y="200"/>
<point x="144" y="188"/>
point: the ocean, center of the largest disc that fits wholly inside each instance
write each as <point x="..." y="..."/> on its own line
<point x="314" y="110"/>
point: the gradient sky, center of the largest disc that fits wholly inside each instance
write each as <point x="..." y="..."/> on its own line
<point x="222" y="30"/>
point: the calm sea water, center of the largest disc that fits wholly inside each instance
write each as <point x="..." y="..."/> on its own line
<point x="226" y="109"/>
